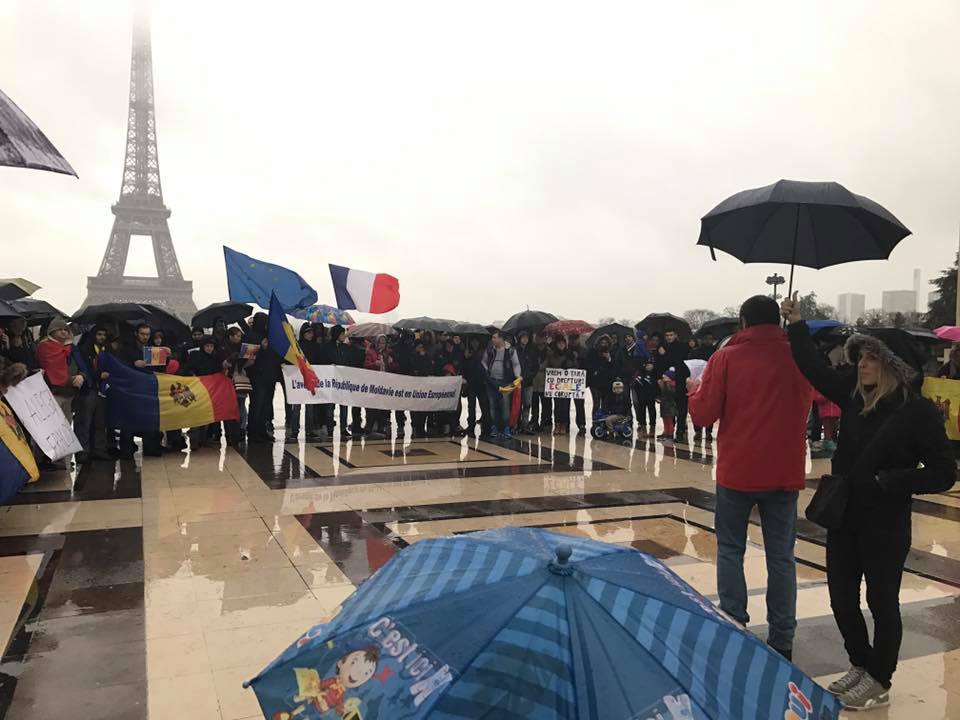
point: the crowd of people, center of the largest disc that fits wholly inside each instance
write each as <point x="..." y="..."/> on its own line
<point x="626" y="374"/>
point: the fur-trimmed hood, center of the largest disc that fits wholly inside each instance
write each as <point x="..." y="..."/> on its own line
<point x="896" y="351"/>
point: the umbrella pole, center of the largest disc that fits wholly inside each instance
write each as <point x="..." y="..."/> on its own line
<point x="793" y="256"/>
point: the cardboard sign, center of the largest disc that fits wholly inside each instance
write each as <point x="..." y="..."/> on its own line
<point x="42" y="417"/>
<point x="569" y="383"/>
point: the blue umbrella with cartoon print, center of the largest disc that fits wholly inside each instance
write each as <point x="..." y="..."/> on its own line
<point x="525" y="623"/>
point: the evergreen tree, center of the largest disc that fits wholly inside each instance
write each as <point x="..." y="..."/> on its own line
<point x="943" y="310"/>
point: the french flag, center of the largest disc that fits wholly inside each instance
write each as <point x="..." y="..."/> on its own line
<point x="364" y="291"/>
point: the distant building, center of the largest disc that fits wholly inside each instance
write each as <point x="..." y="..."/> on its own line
<point x="899" y="301"/>
<point x="850" y="306"/>
<point x="918" y="290"/>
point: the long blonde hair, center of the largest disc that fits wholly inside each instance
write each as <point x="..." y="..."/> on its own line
<point x="887" y="384"/>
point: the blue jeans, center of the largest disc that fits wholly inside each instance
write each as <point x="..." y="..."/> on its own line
<point x="778" y="522"/>
<point x="499" y="405"/>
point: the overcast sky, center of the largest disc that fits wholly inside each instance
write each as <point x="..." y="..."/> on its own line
<point x="490" y="155"/>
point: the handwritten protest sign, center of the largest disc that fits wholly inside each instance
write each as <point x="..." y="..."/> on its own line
<point x="372" y="389"/>
<point x="570" y="383"/>
<point x="42" y="417"/>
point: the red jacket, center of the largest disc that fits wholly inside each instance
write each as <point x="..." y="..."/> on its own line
<point x="54" y="358"/>
<point x="753" y="387"/>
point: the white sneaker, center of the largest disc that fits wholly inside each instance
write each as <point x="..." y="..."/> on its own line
<point x="865" y="695"/>
<point x="847" y="682"/>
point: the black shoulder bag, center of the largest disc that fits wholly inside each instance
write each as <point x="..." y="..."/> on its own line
<point x="829" y="502"/>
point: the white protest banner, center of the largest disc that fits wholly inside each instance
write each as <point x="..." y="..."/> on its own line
<point x="372" y="389"/>
<point x="569" y="383"/>
<point x="42" y="417"/>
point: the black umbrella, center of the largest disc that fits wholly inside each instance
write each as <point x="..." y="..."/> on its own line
<point x="611" y="329"/>
<point x="37" y="312"/>
<point x="719" y="327"/>
<point x="116" y="312"/>
<point x="468" y="328"/>
<point x="814" y="224"/>
<point x="7" y="312"/>
<point x="922" y="335"/>
<point x="22" y="144"/>
<point x="16" y="288"/>
<point x="229" y="312"/>
<point x="529" y="320"/>
<point x="665" y="322"/>
<point x="427" y="323"/>
<point x="161" y="319"/>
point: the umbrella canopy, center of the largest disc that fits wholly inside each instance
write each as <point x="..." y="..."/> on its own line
<point x="427" y="323"/>
<point x="326" y="314"/>
<point x="719" y="327"/>
<point x="611" y="329"/>
<point x="7" y="312"/>
<point x="229" y="312"/>
<point x="116" y="312"/>
<point x="569" y="327"/>
<point x="813" y="224"/>
<point x="664" y="322"/>
<point x="16" y="288"/>
<point x="161" y="319"/>
<point x="22" y="144"/>
<point x="924" y="336"/>
<point x="525" y="623"/>
<point x="468" y="328"/>
<point x="815" y="326"/>
<point x="950" y="333"/>
<point x="369" y="330"/>
<point x="529" y="320"/>
<point x="37" y="312"/>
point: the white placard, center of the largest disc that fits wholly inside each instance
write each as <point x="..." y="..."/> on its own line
<point x="569" y="383"/>
<point x="696" y="368"/>
<point x="372" y="389"/>
<point x="42" y="417"/>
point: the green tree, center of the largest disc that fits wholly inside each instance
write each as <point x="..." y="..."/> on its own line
<point x="943" y="310"/>
<point x="812" y="310"/>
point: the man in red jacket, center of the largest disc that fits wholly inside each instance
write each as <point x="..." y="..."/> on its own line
<point x="761" y="401"/>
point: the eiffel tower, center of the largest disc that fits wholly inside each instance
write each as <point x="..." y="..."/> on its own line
<point x="140" y="210"/>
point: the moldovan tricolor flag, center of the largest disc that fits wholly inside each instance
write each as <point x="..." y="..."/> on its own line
<point x="140" y="401"/>
<point x="364" y="291"/>
<point x="17" y="466"/>
<point x="284" y="343"/>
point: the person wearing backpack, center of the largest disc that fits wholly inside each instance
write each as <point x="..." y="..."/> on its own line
<point x="892" y="446"/>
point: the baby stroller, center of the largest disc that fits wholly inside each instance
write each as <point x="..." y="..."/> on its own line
<point x="622" y="429"/>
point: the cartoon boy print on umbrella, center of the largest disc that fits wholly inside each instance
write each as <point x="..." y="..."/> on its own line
<point x="328" y="695"/>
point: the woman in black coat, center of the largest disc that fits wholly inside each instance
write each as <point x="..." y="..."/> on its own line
<point x="892" y="446"/>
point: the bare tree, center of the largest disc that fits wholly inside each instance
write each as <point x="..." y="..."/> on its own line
<point x="698" y="317"/>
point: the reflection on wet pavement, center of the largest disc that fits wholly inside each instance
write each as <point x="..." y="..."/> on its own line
<point x="154" y="589"/>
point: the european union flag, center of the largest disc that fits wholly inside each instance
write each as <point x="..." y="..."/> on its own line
<point x="252" y="280"/>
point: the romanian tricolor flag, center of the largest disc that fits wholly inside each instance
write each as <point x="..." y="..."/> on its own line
<point x="139" y="402"/>
<point x="156" y="356"/>
<point x="17" y="466"/>
<point x="284" y="343"/>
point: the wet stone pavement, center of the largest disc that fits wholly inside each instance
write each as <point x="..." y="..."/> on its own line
<point x="153" y="588"/>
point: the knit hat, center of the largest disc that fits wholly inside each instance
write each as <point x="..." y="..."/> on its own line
<point x="896" y="349"/>
<point x="58" y="323"/>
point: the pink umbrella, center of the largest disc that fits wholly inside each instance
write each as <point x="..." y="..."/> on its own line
<point x="948" y="332"/>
